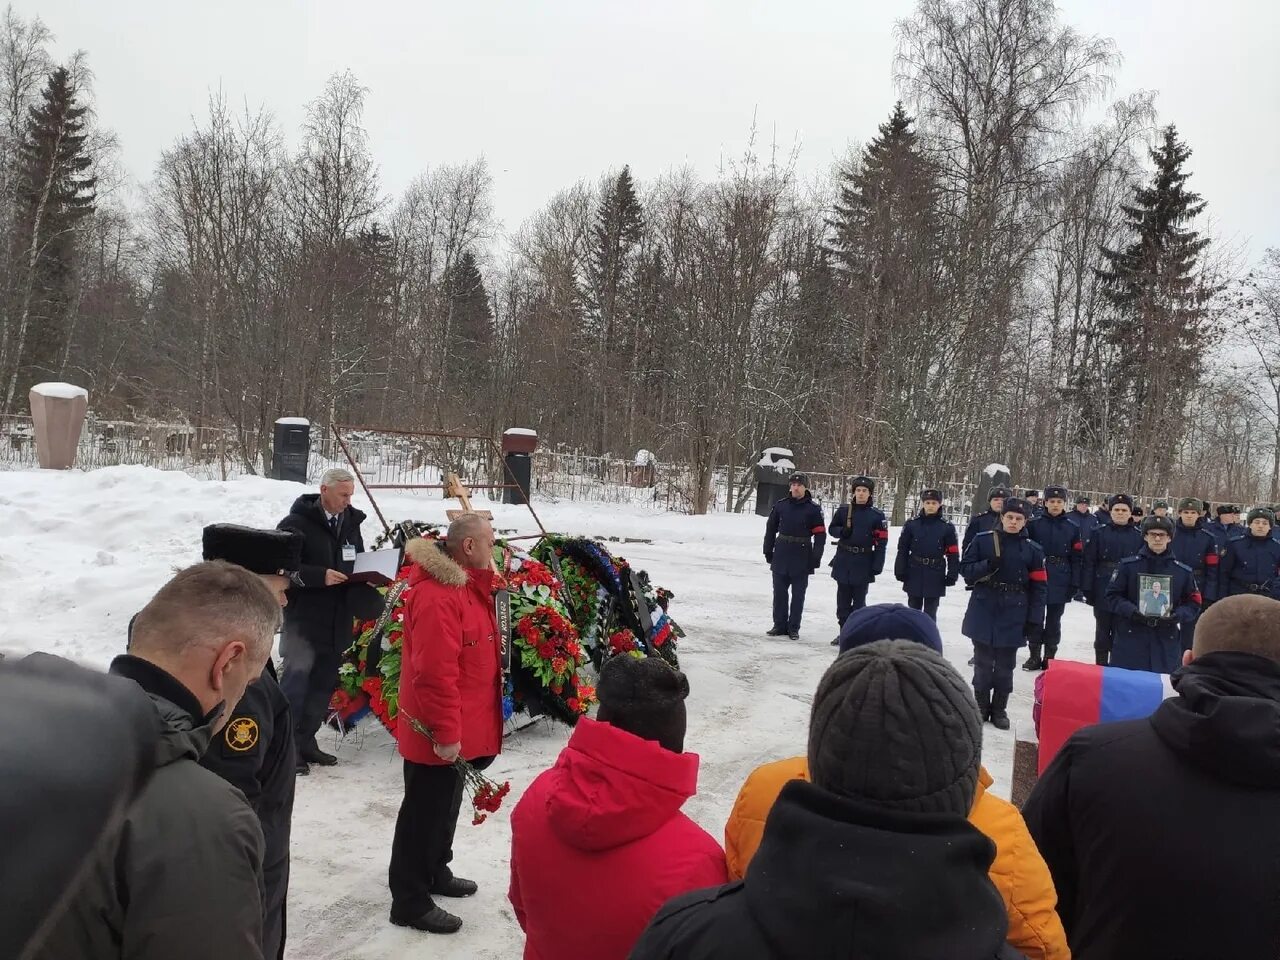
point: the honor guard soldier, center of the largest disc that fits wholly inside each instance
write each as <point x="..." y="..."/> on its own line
<point x="255" y="750"/>
<point x="1150" y="596"/>
<point x="1063" y="547"/>
<point x="1226" y="526"/>
<point x="793" y="540"/>
<point x="989" y="520"/>
<point x="1005" y="568"/>
<point x="1114" y="541"/>
<point x="1251" y="563"/>
<point x="1084" y="518"/>
<point x="861" y="536"/>
<point x="1196" y="547"/>
<point x="1033" y="501"/>
<point x="928" y="559"/>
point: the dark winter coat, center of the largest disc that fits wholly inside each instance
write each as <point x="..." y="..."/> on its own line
<point x="1251" y="565"/>
<point x="322" y="615"/>
<point x="255" y="751"/>
<point x="450" y="663"/>
<point x="795" y="535"/>
<point x="609" y="812"/>
<point x="1222" y="533"/>
<point x="1087" y="522"/>
<point x="1063" y="549"/>
<point x="1142" y="641"/>
<point x="78" y="740"/>
<point x="1161" y="833"/>
<point x="861" y="535"/>
<point x="928" y="559"/>
<point x="979" y="523"/>
<point x="1196" y="547"/>
<point x="1102" y="515"/>
<point x="1008" y="590"/>
<point x="835" y="879"/>
<point x="1103" y="554"/>
<point x="184" y="877"/>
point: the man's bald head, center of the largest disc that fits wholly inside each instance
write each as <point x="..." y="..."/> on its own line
<point x="1242" y="624"/>
<point x="470" y="541"/>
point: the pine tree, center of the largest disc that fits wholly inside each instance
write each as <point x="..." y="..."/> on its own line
<point x="617" y="231"/>
<point x="1161" y="308"/>
<point x="55" y="193"/>
<point x="471" y="326"/>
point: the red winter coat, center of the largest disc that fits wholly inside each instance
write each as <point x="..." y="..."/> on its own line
<point x="607" y="818"/>
<point x="450" y="674"/>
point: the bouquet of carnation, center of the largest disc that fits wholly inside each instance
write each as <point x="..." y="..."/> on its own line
<point x="486" y="795"/>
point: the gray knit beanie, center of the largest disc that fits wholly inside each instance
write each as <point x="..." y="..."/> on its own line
<point x="896" y="726"/>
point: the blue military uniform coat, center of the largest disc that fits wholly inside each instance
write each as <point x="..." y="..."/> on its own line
<point x="1142" y="641"/>
<point x="1008" y="590"/>
<point x="861" y="535"/>
<point x="979" y="523"/>
<point x="1063" y="549"/>
<point x="1251" y="565"/>
<point x="1087" y="522"/>
<point x="928" y="559"/>
<point x="1198" y="549"/>
<point x="795" y="536"/>
<point x="1102" y="555"/>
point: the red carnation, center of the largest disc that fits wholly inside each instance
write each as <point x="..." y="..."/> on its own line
<point x="574" y="704"/>
<point x="546" y="650"/>
<point x="559" y="664"/>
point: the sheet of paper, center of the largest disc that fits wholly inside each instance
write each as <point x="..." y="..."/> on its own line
<point x="377" y="567"/>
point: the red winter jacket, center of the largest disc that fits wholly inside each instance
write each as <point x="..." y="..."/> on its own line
<point x="606" y="815"/>
<point x="450" y="674"/>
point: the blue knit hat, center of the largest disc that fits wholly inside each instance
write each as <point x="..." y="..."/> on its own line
<point x="889" y="621"/>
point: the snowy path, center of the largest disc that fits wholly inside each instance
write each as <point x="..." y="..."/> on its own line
<point x="82" y="552"/>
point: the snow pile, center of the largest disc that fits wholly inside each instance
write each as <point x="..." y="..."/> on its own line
<point x="60" y="391"/>
<point x="82" y="552"/>
<point x="644" y="458"/>
<point x="995" y="469"/>
<point x="777" y="458"/>
<point x="519" y="432"/>
<point x="294" y="422"/>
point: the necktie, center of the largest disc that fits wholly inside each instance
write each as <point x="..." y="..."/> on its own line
<point x="333" y="523"/>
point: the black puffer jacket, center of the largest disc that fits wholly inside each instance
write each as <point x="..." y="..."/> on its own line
<point x="322" y="615"/>
<point x="1162" y="834"/>
<point x="834" y="879"/>
<point x="184" y="876"/>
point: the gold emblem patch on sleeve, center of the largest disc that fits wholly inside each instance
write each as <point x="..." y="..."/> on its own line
<point x="242" y="734"/>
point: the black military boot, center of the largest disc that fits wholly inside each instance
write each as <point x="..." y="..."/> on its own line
<point x="1050" y="651"/>
<point x="1102" y="657"/>
<point x="984" y="703"/>
<point x="999" y="718"/>
<point x="1033" y="662"/>
<point x="776" y="632"/>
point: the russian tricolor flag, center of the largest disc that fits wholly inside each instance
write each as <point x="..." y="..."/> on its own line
<point x="1078" y="695"/>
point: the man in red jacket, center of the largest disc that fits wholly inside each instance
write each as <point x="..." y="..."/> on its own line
<point x="608" y="814"/>
<point x="451" y="683"/>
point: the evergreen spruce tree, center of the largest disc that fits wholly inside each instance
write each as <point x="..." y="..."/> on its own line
<point x="1160" y="306"/>
<point x="614" y="236"/>
<point x="55" y="193"/>
<point x="472" y="317"/>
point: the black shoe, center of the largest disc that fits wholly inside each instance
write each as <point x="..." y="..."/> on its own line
<point x="970" y="662"/>
<point x="835" y="642"/>
<point x="303" y="769"/>
<point x="1033" y="664"/>
<point x="435" y="920"/>
<point x="317" y="756"/>
<point x="775" y="632"/>
<point x="455" y="887"/>
<point x="794" y="636"/>
<point x="984" y="704"/>
<point x="999" y="718"/>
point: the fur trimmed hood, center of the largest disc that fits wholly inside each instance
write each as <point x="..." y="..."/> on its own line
<point x="435" y="562"/>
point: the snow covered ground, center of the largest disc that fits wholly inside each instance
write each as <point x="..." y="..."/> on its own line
<point x="81" y="552"/>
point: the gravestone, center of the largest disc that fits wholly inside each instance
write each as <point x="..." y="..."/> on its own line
<point x="773" y="474"/>
<point x="57" y="414"/>
<point x="993" y="475"/>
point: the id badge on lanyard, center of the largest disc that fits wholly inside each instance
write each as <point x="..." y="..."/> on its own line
<point x="348" y="553"/>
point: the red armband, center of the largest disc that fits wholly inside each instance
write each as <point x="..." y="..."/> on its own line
<point x="1077" y="546"/>
<point x="881" y="533"/>
<point x="1197" y="599"/>
<point x="1211" y="559"/>
<point x="1038" y="576"/>
<point x="818" y="529"/>
<point x="952" y="549"/>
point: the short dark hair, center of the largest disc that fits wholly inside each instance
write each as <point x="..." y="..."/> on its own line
<point x="645" y="696"/>
<point x="1246" y="623"/>
<point x="204" y="604"/>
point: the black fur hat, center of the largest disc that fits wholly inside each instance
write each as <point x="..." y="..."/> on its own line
<point x="1001" y="493"/>
<point x="1059" y="493"/>
<point x="1032" y="493"/>
<point x="930" y="494"/>
<point x="862" y="481"/>
<point x="1261" y="513"/>
<point x="1154" y="522"/>
<point x="1225" y="508"/>
<point x="1014" y="505"/>
<point x="258" y="551"/>
<point x="1083" y="499"/>
<point x="801" y="479"/>
<point x="1120" y="498"/>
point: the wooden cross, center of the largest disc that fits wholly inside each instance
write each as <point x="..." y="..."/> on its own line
<point x="454" y="487"/>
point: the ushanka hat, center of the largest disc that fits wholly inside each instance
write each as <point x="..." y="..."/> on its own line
<point x="1014" y="505"/>
<point x="930" y="494"/>
<point x="1160" y="503"/>
<point x="1157" y="523"/>
<point x="1261" y="513"/>
<point x="1083" y="499"/>
<point x="862" y="481"/>
<point x="800" y="478"/>
<point x="1120" y="499"/>
<point x="1032" y="493"/>
<point x="999" y="493"/>
<point x="1191" y="503"/>
<point x="896" y="727"/>
<point x="1056" y="493"/>
<point x="268" y="552"/>
<point x="1224" y="508"/>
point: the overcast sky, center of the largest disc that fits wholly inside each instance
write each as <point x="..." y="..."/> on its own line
<point x="551" y="91"/>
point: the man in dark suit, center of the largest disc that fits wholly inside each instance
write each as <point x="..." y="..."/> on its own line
<point x="318" y="619"/>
